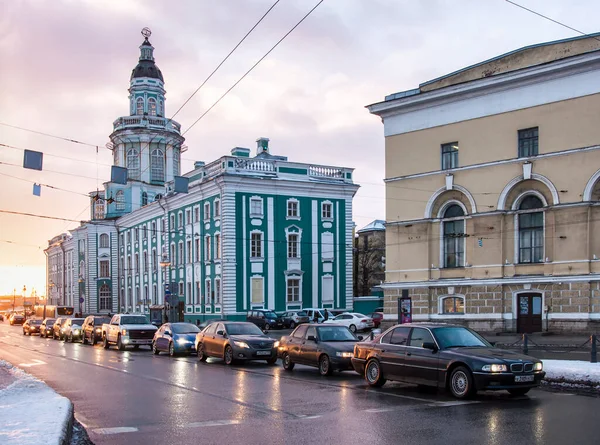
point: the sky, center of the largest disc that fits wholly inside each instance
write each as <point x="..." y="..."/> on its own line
<point x="65" y="67"/>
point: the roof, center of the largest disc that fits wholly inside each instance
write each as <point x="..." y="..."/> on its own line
<point x="374" y="226"/>
<point x="147" y="68"/>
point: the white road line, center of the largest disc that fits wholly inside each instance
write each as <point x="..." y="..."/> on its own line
<point x="452" y="403"/>
<point x="35" y="362"/>
<point x="379" y="410"/>
<point x="213" y="423"/>
<point x="116" y="430"/>
<point x="310" y="417"/>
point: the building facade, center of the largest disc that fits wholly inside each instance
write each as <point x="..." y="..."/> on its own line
<point x="369" y="258"/>
<point x="252" y="232"/>
<point x="492" y="192"/>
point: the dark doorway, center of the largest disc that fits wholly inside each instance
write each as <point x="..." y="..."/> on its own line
<point x="529" y="315"/>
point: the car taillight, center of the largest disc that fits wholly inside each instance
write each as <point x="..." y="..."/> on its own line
<point x="364" y="321"/>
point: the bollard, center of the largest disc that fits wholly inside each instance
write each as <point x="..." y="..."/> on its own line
<point x="594" y="358"/>
<point x="371" y="335"/>
<point x="525" y="348"/>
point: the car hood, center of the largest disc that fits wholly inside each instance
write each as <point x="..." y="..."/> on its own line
<point x="339" y="346"/>
<point x="253" y="338"/>
<point x="138" y="327"/>
<point x="488" y="354"/>
<point x="189" y="336"/>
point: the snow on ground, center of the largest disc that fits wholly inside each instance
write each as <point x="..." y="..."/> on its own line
<point x="30" y="411"/>
<point x="575" y="371"/>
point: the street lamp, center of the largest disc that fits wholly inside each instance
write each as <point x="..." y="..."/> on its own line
<point x="24" y="300"/>
<point x="48" y="291"/>
<point x="164" y="264"/>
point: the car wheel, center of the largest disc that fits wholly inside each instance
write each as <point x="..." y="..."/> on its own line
<point x="171" y="349"/>
<point x="84" y="339"/>
<point x="120" y="345"/>
<point x="518" y="391"/>
<point x="267" y="327"/>
<point x="228" y="355"/>
<point x="105" y="343"/>
<point x="352" y="328"/>
<point x="136" y="347"/>
<point x="201" y="356"/>
<point x="71" y="338"/>
<point x="272" y="361"/>
<point x="325" y="365"/>
<point x="93" y="340"/>
<point x="292" y="325"/>
<point x="288" y="364"/>
<point x="155" y="350"/>
<point x="373" y="374"/>
<point x="461" y="383"/>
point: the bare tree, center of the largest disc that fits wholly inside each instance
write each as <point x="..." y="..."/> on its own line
<point x="369" y="269"/>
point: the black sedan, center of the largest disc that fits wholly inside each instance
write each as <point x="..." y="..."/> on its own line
<point x="31" y="326"/>
<point x="446" y="356"/>
<point x="233" y="341"/>
<point x="327" y="347"/>
<point x="46" y="327"/>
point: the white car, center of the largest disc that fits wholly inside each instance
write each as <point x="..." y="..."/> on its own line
<point x="353" y="321"/>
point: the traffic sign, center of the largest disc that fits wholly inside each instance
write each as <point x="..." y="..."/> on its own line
<point x="81" y="299"/>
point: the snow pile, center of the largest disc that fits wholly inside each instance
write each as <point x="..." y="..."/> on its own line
<point x="30" y="411"/>
<point x="573" y="372"/>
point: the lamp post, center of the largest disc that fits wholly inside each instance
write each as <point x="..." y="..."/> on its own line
<point x="14" y="297"/>
<point x="164" y="264"/>
<point x="24" y="300"/>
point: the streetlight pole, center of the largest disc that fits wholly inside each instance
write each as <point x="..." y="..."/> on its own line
<point x="14" y="297"/>
<point x="24" y="300"/>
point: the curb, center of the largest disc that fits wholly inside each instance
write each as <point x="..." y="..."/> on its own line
<point x="67" y="427"/>
<point x="585" y="388"/>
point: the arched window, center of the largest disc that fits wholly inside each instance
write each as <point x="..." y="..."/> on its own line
<point x="104" y="241"/>
<point x="176" y="162"/>
<point x="133" y="164"/>
<point x="157" y="166"/>
<point x="139" y="106"/>
<point x="454" y="237"/>
<point x="161" y="109"/>
<point x="120" y="200"/>
<point x="105" y="298"/>
<point x="152" y="106"/>
<point x="144" y="198"/>
<point x="531" y="230"/>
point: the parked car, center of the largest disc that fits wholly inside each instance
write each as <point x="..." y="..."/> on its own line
<point x="175" y="338"/>
<point x="31" y="326"/>
<point x="326" y="347"/>
<point x="205" y="323"/>
<point x="46" y="327"/>
<point x="291" y="319"/>
<point x="16" y="319"/>
<point x="377" y="318"/>
<point x="57" y="328"/>
<point x="72" y="329"/>
<point x="446" y="356"/>
<point x="1" y="317"/>
<point x="124" y="330"/>
<point x="235" y="340"/>
<point x="353" y="321"/>
<point x="265" y="319"/>
<point x="318" y="315"/>
<point x="91" y="330"/>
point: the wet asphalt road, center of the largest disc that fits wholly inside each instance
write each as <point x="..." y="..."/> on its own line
<point x="134" y="397"/>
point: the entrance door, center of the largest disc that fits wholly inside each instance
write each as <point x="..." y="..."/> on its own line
<point x="529" y="318"/>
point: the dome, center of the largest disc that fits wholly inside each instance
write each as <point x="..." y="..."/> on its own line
<point x="147" y="68"/>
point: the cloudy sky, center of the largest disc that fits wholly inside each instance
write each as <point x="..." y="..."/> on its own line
<point x="65" y="66"/>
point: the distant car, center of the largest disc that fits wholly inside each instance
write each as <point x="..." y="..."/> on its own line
<point x="265" y="319"/>
<point x="318" y="315"/>
<point x="91" y="330"/>
<point x="1" y="317"/>
<point x="175" y="338"/>
<point x="57" y="328"/>
<point x="71" y="329"/>
<point x="235" y="340"/>
<point x="445" y="356"/>
<point x="326" y="347"/>
<point x="31" y="326"/>
<point x="353" y="321"/>
<point x="377" y="318"/>
<point x="205" y="323"/>
<point x="16" y="319"/>
<point x="291" y="319"/>
<point x="46" y="327"/>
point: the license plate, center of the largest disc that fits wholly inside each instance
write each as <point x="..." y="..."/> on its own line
<point x="263" y="352"/>
<point x="523" y="378"/>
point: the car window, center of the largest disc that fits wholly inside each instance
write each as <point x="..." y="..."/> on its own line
<point x="301" y="314"/>
<point x="387" y="337"/>
<point x="210" y="329"/>
<point x="300" y="331"/>
<point x="311" y="331"/>
<point x="220" y="328"/>
<point x="418" y="336"/>
<point x="399" y="336"/>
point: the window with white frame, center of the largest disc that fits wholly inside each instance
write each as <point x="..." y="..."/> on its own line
<point x="188" y="253"/>
<point x="172" y="221"/>
<point x="181" y="288"/>
<point x="217" y="246"/>
<point x="197" y="299"/>
<point x="257" y="294"/>
<point x="144" y="232"/>
<point x="293" y="250"/>
<point x="208" y="292"/>
<point x="196" y="214"/>
<point x="256" y="207"/>
<point x="189" y="298"/>
<point x="180" y="219"/>
<point x="293" y="290"/>
<point x="154" y="260"/>
<point x="152" y="106"/>
<point x="157" y="166"/>
<point x="137" y="262"/>
<point x="453" y="304"/>
<point x="327" y="284"/>
<point x="217" y="208"/>
<point x="206" y="211"/>
<point x="180" y="256"/>
<point x="105" y="298"/>
<point x="173" y="257"/>
<point x="104" y="269"/>
<point x="145" y="261"/>
<point x="207" y="248"/>
<point x="217" y="291"/>
<point x="197" y="249"/>
<point x="327" y="246"/>
<point x="153" y="228"/>
<point x="454" y="236"/>
<point x="256" y="245"/>
<point x="293" y="208"/>
<point x="133" y="164"/>
<point x="327" y="210"/>
<point x="188" y="216"/>
<point x="154" y="294"/>
<point x="120" y="200"/>
<point x="531" y="230"/>
<point x="104" y="241"/>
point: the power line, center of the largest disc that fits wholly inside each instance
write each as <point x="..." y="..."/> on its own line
<point x="50" y="171"/>
<point x="10" y="212"/>
<point x="57" y="156"/>
<point x="252" y="68"/>
<point x="75" y="141"/>
<point x="44" y="185"/>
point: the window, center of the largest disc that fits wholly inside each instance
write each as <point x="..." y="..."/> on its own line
<point x="139" y="106"/>
<point x="153" y="228"/>
<point x="144" y="199"/>
<point x="206" y="210"/>
<point x="180" y="220"/>
<point x="197" y="249"/>
<point x="144" y="232"/>
<point x="531" y="231"/>
<point x="293" y="245"/>
<point x="327" y="284"/>
<point x="188" y="216"/>
<point x="292" y="208"/>
<point x="145" y="261"/>
<point x="172" y="223"/>
<point x="135" y="234"/>
<point x="152" y="106"/>
<point x="189" y="298"/>
<point x="104" y="241"/>
<point x="300" y="331"/>
<point x="528" y="142"/>
<point x="189" y="251"/>
<point x="105" y="298"/>
<point x="399" y="336"/>
<point x="207" y="249"/>
<point x="449" y="155"/>
<point x="133" y="164"/>
<point x="176" y="162"/>
<point x="129" y="269"/>
<point x="327" y="246"/>
<point x="157" y="166"/>
<point x="454" y="237"/>
<point x="160" y="108"/>
<point x="256" y="207"/>
<point x="154" y="294"/>
<point x="154" y="260"/>
<point x="172" y="259"/>
<point x="137" y="262"/>
<point x="453" y="305"/>
<point x="257" y="294"/>
<point x="208" y="295"/>
<point x="256" y="245"/>
<point x="217" y="291"/>
<point x="293" y="290"/>
<point x="120" y="200"/>
<point x="217" y="246"/>
<point x="181" y="289"/>
<point x="217" y="208"/>
<point x="104" y="269"/>
<point x="196" y="214"/>
<point x="418" y="336"/>
<point x="326" y="210"/>
<point x="197" y="292"/>
<point x="99" y="209"/>
<point x="180" y="253"/>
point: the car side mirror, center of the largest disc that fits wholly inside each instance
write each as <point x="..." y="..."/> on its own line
<point x="430" y="345"/>
<point x="221" y="333"/>
<point x="312" y="338"/>
<point x="168" y="333"/>
<point x="360" y="337"/>
<point x="265" y="331"/>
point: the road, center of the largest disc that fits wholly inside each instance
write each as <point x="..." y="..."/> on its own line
<point x="135" y="397"/>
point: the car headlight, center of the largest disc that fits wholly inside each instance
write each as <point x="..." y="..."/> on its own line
<point x="538" y="366"/>
<point x="241" y="344"/>
<point x="276" y="344"/>
<point x="182" y="341"/>
<point x="75" y="331"/>
<point x="124" y="331"/>
<point x="271" y="321"/>
<point x="98" y="330"/>
<point x="494" y="368"/>
<point x="344" y="354"/>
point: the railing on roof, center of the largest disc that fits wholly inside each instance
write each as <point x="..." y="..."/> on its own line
<point x="146" y="121"/>
<point x="321" y="171"/>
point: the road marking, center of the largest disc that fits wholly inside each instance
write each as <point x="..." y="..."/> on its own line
<point x="213" y="423"/>
<point x="379" y="410"/>
<point x="35" y="362"/>
<point x="115" y="430"/>
<point x="303" y="417"/>
<point x="452" y="403"/>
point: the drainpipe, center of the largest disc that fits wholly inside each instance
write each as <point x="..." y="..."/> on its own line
<point x="502" y="270"/>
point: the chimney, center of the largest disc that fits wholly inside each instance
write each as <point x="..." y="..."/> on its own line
<point x="262" y="145"/>
<point x="198" y="164"/>
<point x="240" y="152"/>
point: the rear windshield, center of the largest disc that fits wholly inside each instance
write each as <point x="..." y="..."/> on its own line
<point x="101" y="320"/>
<point x="78" y="321"/>
<point x="36" y="322"/>
<point x="50" y="320"/>
<point x="133" y="319"/>
<point x="301" y="314"/>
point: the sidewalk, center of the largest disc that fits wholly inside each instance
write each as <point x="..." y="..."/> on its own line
<point x="540" y="339"/>
<point x="30" y="411"/>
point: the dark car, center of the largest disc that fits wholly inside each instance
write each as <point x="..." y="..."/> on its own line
<point x="377" y="318"/>
<point x="265" y="319"/>
<point x="291" y="319"/>
<point x="31" y="326"/>
<point x="46" y="327"/>
<point x="16" y="319"/>
<point x="71" y="329"/>
<point x="57" y="328"/>
<point x="91" y="330"/>
<point x="175" y="338"/>
<point x="446" y="356"/>
<point x="327" y="347"/>
<point x="205" y="323"/>
<point x="235" y="340"/>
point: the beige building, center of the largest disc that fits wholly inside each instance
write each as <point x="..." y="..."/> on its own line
<point x="493" y="189"/>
